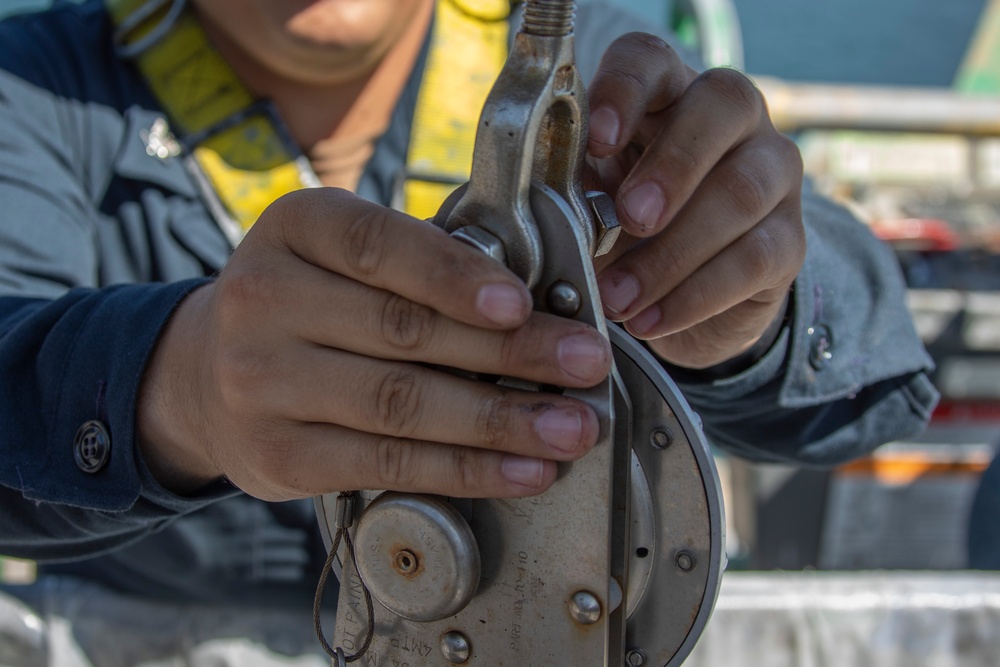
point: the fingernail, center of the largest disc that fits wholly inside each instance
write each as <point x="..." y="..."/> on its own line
<point x="581" y="356"/>
<point x="644" y="205"/>
<point x="605" y="128"/>
<point x="560" y="428"/>
<point x="501" y="304"/>
<point x="618" y="291"/>
<point x="522" y="470"/>
<point x="644" y="322"/>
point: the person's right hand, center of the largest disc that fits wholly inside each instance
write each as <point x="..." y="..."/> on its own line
<point x="303" y="368"/>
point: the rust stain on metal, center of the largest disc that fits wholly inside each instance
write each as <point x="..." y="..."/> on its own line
<point x="407" y="561"/>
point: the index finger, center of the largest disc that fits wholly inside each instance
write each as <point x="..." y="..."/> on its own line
<point x="342" y="233"/>
<point x="639" y="74"/>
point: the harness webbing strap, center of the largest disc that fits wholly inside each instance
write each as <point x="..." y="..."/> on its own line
<point x="236" y="145"/>
<point x="239" y="144"/>
<point x="469" y="49"/>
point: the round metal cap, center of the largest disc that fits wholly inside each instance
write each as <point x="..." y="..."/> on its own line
<point x="417" y="556"/>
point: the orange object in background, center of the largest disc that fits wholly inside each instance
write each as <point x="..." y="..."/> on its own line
<point x="920" y="234"/>
<point x="912" y="466"/>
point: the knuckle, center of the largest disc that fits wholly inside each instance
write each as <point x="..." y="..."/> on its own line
<point x="245" y="379"/>
<point x="642" y="45"/>
<point x="736" y="88"/>
<point x="397" y="402"/>
<point x="511" y="348"/>
<point x="406" y="325"/>
<point x="671" y="265"/>
<point x="795" y="249"/>
<point x="698" y="300"/>
<point x="270" y="459"/>
<point x="748" y="190"/>
<point x="624" y="75"/>
<point x="790" y="156"/>
<point x="800" y="245"/>
<point x="494" y="420"/>
<point x="782" y="238"/>
<point x="394" y="462"/>
<point x="276" y="456"/>
<point x="279" y="220"/>
<point x="763" y="259"/>
<point x="456" y="263"/>
<point x="364" y="242"/>
<point x="466" y="468"/>
<point x="239" y="294"/>
<point x="632" y="57"/>
<point x="682" y="161"/>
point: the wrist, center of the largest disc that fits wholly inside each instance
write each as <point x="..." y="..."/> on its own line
<point x="168" y="402"/>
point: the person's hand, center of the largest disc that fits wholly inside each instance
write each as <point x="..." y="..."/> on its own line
<point x="304" y="367"/>
<point x="708" y="194"/>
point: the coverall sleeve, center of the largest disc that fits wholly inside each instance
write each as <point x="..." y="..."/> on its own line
<point x="848" y="371"/>
<point x="70" y="351"/>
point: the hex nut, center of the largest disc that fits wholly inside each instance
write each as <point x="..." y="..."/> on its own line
<point x="608" y="227"/>
<point x="482" y="240"/>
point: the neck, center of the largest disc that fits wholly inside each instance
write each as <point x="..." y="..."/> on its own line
<point x="351" y="104"/>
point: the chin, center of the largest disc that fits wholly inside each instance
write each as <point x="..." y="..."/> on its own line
<point x="344" y="24"/>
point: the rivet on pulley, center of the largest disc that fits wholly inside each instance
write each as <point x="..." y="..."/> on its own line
<point x="563" y="299"/>
<point x="585" y="608"/>
<point x="685" y="561"/>
<point x="455" y="647"/>
<point x="661" y="438"/>
<point x="635" y="658"/>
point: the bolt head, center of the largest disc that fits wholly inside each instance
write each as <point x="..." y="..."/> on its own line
<point x="585" y="608"/>
<point x="482" y="240"/>
<point x="607" y="226"/>
<point x="635" y="658"/>
<point x="685" y="561"/>
<point x="563" y="299"/>
<point x="661" y="438"/>
<point x="455" y="647"/>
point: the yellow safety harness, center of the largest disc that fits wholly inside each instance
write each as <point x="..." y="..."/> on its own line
<point x="239" y="149"/>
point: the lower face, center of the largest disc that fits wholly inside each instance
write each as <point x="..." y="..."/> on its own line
<point x="312" y="41"/>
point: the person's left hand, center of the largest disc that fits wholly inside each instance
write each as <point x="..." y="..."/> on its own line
<point x="708" y="194"/>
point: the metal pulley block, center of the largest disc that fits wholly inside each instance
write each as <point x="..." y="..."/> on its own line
<point x="619" y="562"/>
<point x="542" y="595"/>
